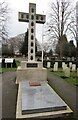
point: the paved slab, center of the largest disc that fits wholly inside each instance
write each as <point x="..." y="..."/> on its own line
<point x="42" y="98"/>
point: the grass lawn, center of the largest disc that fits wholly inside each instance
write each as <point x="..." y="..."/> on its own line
<point x="71" y="80"/>
<point x="7" y="69"/>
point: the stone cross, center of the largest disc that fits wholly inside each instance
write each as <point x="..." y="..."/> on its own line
<point x="32" y="18"/>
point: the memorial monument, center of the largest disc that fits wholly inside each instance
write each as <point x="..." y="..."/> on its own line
<point x="31" y="69"/>
<point x="36" y="99"/>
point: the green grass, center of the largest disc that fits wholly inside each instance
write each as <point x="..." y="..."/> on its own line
<point x="7" y="69"/>
<point x="71" y="80"/>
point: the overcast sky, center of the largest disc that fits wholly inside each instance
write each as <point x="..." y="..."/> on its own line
<point x="16" y="27"/>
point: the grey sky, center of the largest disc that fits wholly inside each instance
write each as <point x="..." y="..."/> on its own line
<point x="16" y="27"/>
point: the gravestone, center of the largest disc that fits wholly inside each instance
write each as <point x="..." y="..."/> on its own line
<point x="68" y="59"/>
<point x="73" y="67"/>
<point x="64" y="67"/>
<point x="48" y="64"/>
<point x="70" y="64"/>
<point x="47" y="58"/>
<point x="77" y="72"/>
<point x="56" y="66"/>
<point x="67" y="72"/>
<point x="31" y="69"/>
<point x="73" y="59"/>
<point x="63" y="64"/>
<point x="0" y="62"/>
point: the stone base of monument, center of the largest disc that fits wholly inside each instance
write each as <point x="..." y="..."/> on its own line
<point x="31" y="71"/>
<point x="39" y="102"/>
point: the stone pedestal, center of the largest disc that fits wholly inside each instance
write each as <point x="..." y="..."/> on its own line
<point x="31" y="71"/>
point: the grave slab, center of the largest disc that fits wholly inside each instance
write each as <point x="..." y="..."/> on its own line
<point x="45" y="115"/>
<point x="36" y="99"/>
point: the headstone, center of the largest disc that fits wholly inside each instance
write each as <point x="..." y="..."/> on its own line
<point x="67" y="72"/>
<point x="77" y="72"/>
<point x="73" y="59"/>
<point x="68" y="59"/>
<point x="56" y="66"/>
<point x="47" y="58"/>
<point x="70" y="64"/>
<point x="63" y="64"/>
<point x="0" y="62"/>
<point x="73" y="67"/>
<point x="48" y="64"/>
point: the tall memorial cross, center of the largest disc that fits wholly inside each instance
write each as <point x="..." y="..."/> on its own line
<point x="32" y="18"/>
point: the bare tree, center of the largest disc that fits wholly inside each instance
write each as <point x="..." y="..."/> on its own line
<point x="61" y="21"/>
<point x="4" y="10"/>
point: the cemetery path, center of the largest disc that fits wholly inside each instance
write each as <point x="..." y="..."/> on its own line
<point x="67" y="92"/>
<point x="9" y="93"/>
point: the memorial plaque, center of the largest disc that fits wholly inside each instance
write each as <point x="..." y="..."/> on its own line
<point x="32" y="65"/>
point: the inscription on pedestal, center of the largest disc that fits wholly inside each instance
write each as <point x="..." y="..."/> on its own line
<point x="30" y="65"/>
